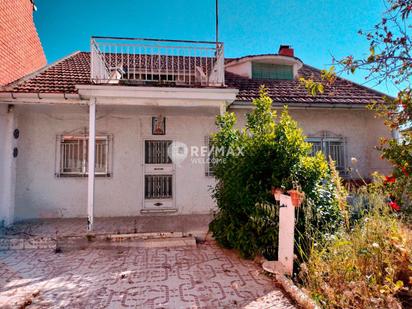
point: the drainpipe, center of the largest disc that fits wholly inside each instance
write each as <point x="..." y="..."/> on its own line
<point x="91" y="164"/>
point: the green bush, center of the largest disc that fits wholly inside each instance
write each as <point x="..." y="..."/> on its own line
<point x="270" y="152"/>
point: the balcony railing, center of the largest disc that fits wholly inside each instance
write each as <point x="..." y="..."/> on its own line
<point x="148" y="61"/>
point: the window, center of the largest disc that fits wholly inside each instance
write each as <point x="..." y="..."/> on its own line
<point x="272" y="71"/>
<point x="209" y="160"/>
<point x="158" y="187"/>
<point x="333" y="147"/>
<point x="73" y="158"/>
<point x="156" y="152"/>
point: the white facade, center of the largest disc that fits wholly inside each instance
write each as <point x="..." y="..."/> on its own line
<point x="41" y="194"/>
<point x="31" y="186"/>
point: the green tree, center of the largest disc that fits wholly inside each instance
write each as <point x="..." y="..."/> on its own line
<point x="269" y="152"/>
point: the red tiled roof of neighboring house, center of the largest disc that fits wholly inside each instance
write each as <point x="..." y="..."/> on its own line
<point x="62" y="77"/>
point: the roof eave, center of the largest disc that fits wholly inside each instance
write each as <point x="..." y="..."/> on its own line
<point x="248" y="105"/>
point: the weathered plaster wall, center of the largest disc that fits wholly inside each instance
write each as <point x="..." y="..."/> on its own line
<point x="360" y="128"/>
<point x="7" y="164"/>
<point x="41" y="194"/>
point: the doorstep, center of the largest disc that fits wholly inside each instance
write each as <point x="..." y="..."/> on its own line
<point x="101" y="241"/>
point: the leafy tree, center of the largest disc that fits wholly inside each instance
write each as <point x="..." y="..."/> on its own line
<point x="270" y="152"/>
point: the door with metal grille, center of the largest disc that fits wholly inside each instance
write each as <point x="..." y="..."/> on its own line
<point x="159" y="182"/>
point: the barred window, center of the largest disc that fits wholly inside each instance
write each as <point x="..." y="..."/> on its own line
<point x="73" y="155"/>
<point x="209" y="160"/>
<point x="331" y="147"/>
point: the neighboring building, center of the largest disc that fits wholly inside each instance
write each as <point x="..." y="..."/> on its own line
<point x="139" y="96"/>
<point x="21" y="52"/>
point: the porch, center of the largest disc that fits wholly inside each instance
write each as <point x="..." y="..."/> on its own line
<point x="196" y="225"/>
<point x="180" y="230"/>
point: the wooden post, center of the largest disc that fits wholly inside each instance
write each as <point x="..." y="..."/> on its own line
<point x="91" y="164"/>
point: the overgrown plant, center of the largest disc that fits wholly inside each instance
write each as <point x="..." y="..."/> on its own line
<point x="270" y="152"/>
<point x="367" y="266"/>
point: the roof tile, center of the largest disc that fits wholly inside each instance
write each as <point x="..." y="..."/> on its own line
<point x="75" y="70"/>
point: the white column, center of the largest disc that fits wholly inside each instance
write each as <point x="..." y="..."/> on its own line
<point x="286" y="233"/>
<point x="8" y="164"/>
<point x="91" y="163"/>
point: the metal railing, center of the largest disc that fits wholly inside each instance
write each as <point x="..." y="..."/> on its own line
<point x="151" y="61"/>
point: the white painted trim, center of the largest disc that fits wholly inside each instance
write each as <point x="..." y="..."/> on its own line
<point x="91" y="166"/>
<point x="155" y="93"/>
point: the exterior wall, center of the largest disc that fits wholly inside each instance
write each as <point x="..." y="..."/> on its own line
<point x="359" y="127"/>
<point x="20" y="49"/>
<point x="7" y="164"/>
<point x="40" y="194"/>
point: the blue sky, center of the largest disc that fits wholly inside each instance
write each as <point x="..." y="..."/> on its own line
<point x="317" y="29"/>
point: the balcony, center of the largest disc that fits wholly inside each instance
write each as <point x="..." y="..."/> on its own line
<point x="130" y="61"/>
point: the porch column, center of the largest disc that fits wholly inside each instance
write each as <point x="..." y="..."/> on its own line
<point x="91" y="163"/>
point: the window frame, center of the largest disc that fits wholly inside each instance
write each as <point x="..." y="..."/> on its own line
<point x="272" y="71"/>
<point x="324" y="142"/>
<point x="209" y="172"/>
<point x="83" y="139"/>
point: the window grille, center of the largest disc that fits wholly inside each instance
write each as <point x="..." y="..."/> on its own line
<point x="158" y="187"/>
<point x="73" y="155"/>
<point x="156" y="152"/>
<point x="209" y="160"/>
<point x="331" y="147"/>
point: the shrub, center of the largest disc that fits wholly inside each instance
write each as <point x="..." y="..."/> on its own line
<point x="270" y="152"/>
<point x="363" y="267"/>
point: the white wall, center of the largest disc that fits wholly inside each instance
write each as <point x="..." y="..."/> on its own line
<point x="7" y="164"/>
<point x="360" y="128"/>
<point x="40" y="194"/>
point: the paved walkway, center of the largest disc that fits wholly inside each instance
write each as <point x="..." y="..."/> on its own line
<point x="205" y="277"/>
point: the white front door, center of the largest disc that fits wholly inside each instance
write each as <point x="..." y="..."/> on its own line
<point x="159" y="176"/>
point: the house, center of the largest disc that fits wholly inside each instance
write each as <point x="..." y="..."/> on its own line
<point x="93" y="134"/>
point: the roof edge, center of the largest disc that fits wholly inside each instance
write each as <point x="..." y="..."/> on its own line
<point x="248" y="105"/>
<point x="353" y="82"/>
<point x="10" y="86"/>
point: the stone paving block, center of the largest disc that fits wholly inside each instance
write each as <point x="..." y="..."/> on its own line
<point x="181" y="277"/>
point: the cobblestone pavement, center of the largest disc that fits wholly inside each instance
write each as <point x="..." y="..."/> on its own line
<point x="204" y="277"/>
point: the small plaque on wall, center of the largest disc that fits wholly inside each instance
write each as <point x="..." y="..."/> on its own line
<point x="158" y="125"/>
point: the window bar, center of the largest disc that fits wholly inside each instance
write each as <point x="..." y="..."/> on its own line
<point x="184" y="66"/>
<point x="106" y="163"/>
<point x="128" y="62"/>
<point x="167" y="65"/>
<point x="159" y="62"/>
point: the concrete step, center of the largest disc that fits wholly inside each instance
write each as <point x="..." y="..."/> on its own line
<point x="139" y="240"/>
<point x="64" y="243"/>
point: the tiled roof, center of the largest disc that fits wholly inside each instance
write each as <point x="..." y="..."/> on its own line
<point x="291" y="91"/>
<point x="75" y="70"/>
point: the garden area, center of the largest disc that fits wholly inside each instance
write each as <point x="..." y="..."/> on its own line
<point x="353" y="240"/>
<point x="353" y="246"/>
